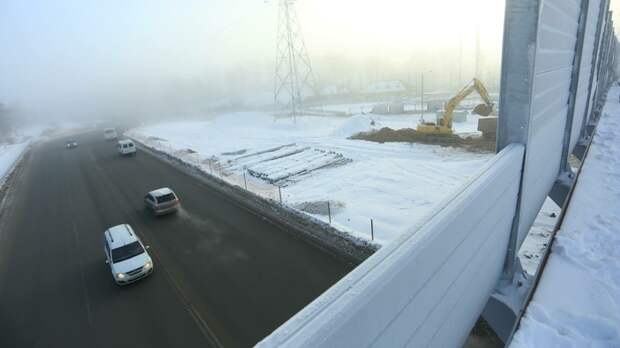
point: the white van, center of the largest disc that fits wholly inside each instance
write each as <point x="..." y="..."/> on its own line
<point x="109" y="134"/>
<point x="126" y="147"/>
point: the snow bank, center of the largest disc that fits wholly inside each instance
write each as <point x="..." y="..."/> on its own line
<point x="356" y="124"/>
<point x="577" y="302"/>
<point x="395" y="184"/>
<point x="9" y="154"/>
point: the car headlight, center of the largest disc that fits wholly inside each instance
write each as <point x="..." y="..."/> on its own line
<point x="148" y="264"/>
<point x="120" y="275"/>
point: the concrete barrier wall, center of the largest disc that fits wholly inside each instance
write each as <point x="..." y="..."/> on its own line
<point x="428" y="287"/>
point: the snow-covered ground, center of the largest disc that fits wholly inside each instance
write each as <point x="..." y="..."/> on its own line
<point x="10" y="153"/>
<point x="577" y="302"/>
<point x="395" y="184"/>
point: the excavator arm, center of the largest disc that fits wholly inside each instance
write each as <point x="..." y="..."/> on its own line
<point x="482" y="109"/>
<point x="446" y="120"/>
<point x="483" y="92"/>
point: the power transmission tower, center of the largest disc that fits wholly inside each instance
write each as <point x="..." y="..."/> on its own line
<point x="478" y="72"/>
<point x="293" y="75"/>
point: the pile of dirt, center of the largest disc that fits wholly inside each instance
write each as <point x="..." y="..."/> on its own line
<point x="409" y="135"/>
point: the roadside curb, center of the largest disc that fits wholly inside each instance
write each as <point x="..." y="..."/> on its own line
<point x="314" y="231"/>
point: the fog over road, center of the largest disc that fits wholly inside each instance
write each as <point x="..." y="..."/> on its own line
<point x="223" y="276"/>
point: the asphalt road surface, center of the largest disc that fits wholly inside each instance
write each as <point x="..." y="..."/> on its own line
<point x="223" y="276"/>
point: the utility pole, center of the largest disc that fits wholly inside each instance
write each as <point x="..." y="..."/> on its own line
<point x="422" y="97"/>
<point x="460" y="74"/>
<point x="293" y="71"/>
<point x="422" y="93"/>
<point x="478" y="53"/>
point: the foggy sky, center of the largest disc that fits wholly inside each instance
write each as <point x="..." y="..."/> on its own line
<point x="89" y="59"/>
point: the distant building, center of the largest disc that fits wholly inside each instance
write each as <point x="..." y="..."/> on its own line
<point x="335" y="91"/>
<point x="394" y="88"/>
<point x="389" y="108"/>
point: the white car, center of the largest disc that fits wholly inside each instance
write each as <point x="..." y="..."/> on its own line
<point x="109" y="134"/>
<point x="127" y="257"/>
<point x="71" y="144"/>
<point x="126" y="147"/>
<point x="162" y="201"/>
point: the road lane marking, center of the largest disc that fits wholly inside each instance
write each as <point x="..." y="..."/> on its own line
<point x="84" y="287"/>
<point x="187" y="304"/>
<point x="115" y="190"/>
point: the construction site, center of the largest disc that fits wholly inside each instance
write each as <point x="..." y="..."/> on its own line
<point x="464" y="118"/>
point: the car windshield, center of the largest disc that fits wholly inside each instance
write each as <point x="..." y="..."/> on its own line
<point x="166" y="198"/>
<point x="126" y="252"/>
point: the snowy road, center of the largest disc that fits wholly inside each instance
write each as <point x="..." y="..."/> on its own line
<point x="221" y="273"/>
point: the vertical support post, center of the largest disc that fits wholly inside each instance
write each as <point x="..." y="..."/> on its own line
<point x="601" y="72"/>
<point x="561" y="188"/>
<point x="517" y="81"/>
<point x="372" y="230"/>
<point x="329" y="213"/>
<point x="593" y="72"/>
<point x="280" y="193"/>
<point x="603" y="66"/>
<point x="245" y="181"/>
<point x="574" y="85"/>
<point x="519" y="52"/>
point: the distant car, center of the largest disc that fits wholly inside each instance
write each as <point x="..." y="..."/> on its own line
<point x="71" y="144"/>
<point x="109" y="134"/>
<point x="126" y="147"/>
<point x="127" y="257"/>
<point x="162" y="201"/>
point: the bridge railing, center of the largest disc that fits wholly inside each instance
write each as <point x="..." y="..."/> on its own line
<point x="429" y="286"/>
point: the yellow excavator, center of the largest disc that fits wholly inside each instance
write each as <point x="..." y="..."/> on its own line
<point x="444" y="126"/>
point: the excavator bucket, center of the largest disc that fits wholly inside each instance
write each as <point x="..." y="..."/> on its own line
<point x="483" y="110"/>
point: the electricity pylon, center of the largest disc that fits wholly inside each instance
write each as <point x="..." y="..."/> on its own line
<point x="293" y="74"/>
